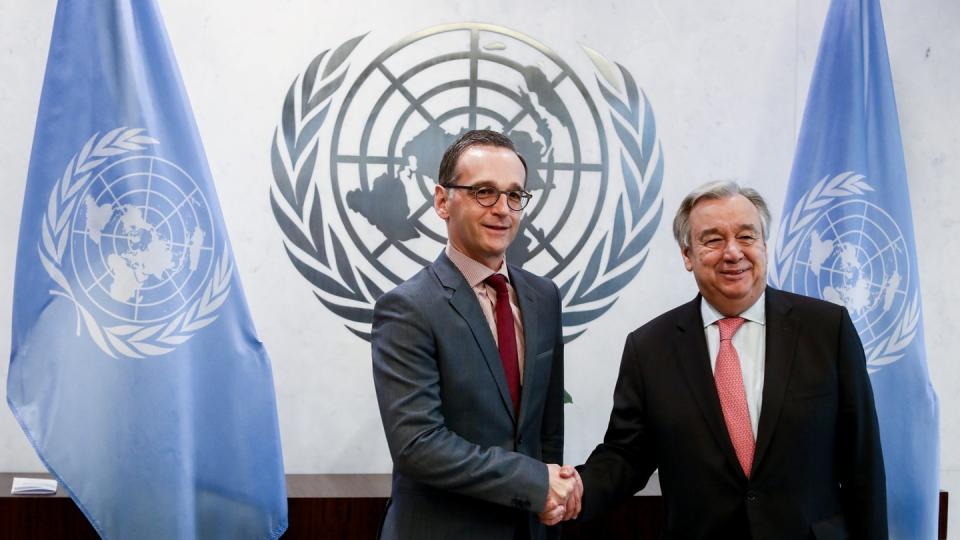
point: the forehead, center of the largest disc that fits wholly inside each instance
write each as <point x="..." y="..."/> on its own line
<point x="735" y="212"/>
<point x="491" y="165"/>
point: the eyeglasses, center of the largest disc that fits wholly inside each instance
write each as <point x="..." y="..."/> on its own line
<point x="517" y="199"/>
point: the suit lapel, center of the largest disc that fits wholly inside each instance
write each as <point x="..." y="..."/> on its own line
<point x="694" y="358"/>
<point x="528" y="315"/>
<point x="781" y="348"/>
<point x="463" y="299"/>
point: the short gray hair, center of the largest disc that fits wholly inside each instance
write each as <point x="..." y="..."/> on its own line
<point x="721" y="189"/>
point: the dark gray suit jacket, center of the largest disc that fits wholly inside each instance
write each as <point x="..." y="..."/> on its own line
<point x="817" y="471"/>
<point x="465" y="466"/>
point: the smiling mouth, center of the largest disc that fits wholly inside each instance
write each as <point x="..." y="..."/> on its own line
<point x="734" y="273"/>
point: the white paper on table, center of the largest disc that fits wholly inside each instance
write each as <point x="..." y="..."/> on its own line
<point x="33" y="486"/>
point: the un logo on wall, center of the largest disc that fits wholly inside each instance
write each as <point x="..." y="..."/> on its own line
<point x="837" y="245"/>
<point x="355" y="164"/>
<point x="129" y="239"/>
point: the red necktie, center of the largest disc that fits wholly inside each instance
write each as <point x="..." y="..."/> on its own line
<point x="733" y="398"/>
<point x="507" y="337"/>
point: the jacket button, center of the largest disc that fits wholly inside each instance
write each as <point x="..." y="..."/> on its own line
<point x="752" y="496"/>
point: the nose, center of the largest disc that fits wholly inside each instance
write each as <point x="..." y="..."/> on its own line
<point x="500" y="207"/>
<point x="732" y="251"/>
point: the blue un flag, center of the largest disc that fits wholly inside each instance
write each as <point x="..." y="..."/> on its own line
<point x="135" y="370"/>
<point x="847" y="236"/>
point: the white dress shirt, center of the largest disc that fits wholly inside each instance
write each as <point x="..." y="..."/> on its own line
<point x="750" y="341"/>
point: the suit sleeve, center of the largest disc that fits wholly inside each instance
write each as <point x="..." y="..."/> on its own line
<point x="551" y="434"/>
<point x="406" y="377"/>
<point x="623" y="463"/>
<point x="862" y="477"/>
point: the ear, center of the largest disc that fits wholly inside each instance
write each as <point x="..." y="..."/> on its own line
<point x="687" y="262"/>
<point x="440" y="202"/>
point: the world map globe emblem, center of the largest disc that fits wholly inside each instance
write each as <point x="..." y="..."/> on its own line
<point x="413" y="100"/>
<point x="355" y="160"/>
<point x="142" y="240"/>
<point x="855" y="255"/>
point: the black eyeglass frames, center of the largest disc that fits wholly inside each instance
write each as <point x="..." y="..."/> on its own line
<point x="517" y="199"/>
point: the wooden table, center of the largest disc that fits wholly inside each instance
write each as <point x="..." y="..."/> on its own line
<point x="328" y="506"/>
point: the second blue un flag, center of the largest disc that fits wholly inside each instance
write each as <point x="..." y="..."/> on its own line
<point x="847" y="236"/>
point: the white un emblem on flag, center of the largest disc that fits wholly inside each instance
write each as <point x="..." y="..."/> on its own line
<point x="130" y="240"/>
<point x="140" y="241"/>
<point x="837" y="245"/>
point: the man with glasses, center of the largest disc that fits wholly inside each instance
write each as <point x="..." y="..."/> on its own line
<point x="468" y="368"/>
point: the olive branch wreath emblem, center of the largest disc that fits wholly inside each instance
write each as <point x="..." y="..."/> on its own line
<point x="794" y="229"/>
<point x="319" y="255"/>
<point x="130" y="340"/>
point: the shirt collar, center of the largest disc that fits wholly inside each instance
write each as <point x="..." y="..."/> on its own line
<point x="473" y="271"/>
<point x="756" y="313"/>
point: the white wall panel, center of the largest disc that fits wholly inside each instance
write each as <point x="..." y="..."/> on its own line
<point x="727" y="82"/>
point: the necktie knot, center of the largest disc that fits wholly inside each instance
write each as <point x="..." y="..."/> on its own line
<point x="729" y="327"/>
<point x="499" y="284"/>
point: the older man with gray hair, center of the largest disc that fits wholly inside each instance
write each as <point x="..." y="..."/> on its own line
<point x="753" y="403"/>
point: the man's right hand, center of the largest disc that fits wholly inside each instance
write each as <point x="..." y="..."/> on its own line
<point x="575" y="499"/>
<point x="563" y="497"/>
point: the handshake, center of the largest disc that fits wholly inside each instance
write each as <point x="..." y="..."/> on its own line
<point x="563" y="497"/>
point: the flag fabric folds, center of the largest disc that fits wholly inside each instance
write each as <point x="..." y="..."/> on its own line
<point x="847" y="236"/>
<point x="135" y="369"/>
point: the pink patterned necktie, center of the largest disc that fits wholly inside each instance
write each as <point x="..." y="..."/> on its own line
<point x="733" y="398"/>
<point x="507" y="338"/>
